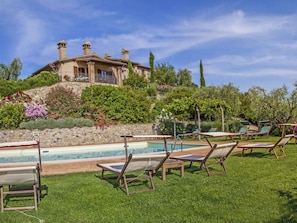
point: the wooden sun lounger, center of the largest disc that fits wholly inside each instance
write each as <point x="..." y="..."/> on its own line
<point x="19" y="181"/>
<point x="265" y="130"/>
<point x="276" y="148"/>
<point x="149" y="163"/>
<point x="217" y="155"/>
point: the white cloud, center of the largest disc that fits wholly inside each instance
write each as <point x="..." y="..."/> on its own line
<point x="31" y="33"/>
<point x="231" y="44"/>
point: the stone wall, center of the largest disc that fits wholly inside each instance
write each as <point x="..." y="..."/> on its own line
<point x="78" y="136"/>
<point x="39" y="94"/>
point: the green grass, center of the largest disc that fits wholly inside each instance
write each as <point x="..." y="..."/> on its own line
<point x="256" y="188"/>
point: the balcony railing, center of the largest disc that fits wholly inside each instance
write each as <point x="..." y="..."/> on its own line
<point x="109" y="79"/>
<point x="106" y="79"/>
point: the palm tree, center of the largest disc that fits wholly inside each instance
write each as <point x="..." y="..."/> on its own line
<point x="12" y="71"/>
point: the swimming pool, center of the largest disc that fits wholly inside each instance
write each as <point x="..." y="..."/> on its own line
<point x="78" y="153"/>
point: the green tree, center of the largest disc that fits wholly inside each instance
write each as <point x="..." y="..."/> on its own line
<point x="232" y="96"/>
<point x="277" y="105"/>
<point x="259" y="108"/>
<point x="152" y="67"/>
<point x="134" y="80"/>
<point x="184" y="78"/>
<point x="165" y="74"/>
<point x="189" y="107"/>
<point x="179" y="92"/>
<point x="202" y="80"/>
<point x="217" y="99"/>
<point x="12" y="71"/>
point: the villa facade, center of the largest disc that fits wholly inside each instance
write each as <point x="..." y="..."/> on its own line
<point x="92" y="68"/>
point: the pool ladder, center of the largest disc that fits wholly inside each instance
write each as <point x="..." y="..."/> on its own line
<point x="174" y="142"/>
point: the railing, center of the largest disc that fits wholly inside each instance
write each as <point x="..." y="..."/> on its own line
<point x="106" y="79"/>
<point x="98" y="79"/>
<point x="173" y="143"/>
<point x="81" y="79"/>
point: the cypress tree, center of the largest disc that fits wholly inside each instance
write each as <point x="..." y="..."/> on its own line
<point x="152" y="66"/>
<point x="202" y="80"/>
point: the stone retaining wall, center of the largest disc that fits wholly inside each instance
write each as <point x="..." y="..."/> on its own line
<point x="78" y="136"/>
<point x="39" y="94"/>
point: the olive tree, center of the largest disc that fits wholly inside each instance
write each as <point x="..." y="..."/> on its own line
<point x="12" y="71"/>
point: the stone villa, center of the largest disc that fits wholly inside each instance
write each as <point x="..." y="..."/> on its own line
<point x="93" y="68"/>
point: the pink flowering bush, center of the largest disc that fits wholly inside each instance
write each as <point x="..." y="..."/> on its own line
<point x="102" y="120"/>
<point x="164" y="86"/>
<point x="63" y="102"/>
<point x="20" y="96"/>
<point x="99" y="116"/>
<point x="35" y="111"/>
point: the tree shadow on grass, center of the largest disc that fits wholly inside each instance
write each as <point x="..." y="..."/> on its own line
<point x="289" y="209"/>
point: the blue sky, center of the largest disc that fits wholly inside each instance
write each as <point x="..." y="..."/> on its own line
<point x="244" y="42"/>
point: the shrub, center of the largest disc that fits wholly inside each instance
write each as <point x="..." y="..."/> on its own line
<point x="11" y="115"/>
<point x="18" y="97"/>
<point x="45" y="78"/>
<point x="165" y="124"/>
<point x="98" y="115"/>
<point x="42" y="124"/>
<point x="35" y="111"/>
<point x="167" y="128"/>
<point x="152" y="90"/>
<point x="164" y="116"/>
<point x="9" y="87"/>
<point x="121" y="104"/>
<point x="164" y="88"/>
<point x="63" y="102"/>
<point x="191" y="127"/>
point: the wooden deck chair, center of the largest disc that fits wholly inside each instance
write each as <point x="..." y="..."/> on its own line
<point x="20" y="181"/>
<point x="265" y="130"/>
<point x="213" y="129"/>
<point x="193" y="134"/>
<point x="217" y="155"/>
<point x="149" y="163"/>
<point x="242" y="132"/>
<point x="277" y="148"/>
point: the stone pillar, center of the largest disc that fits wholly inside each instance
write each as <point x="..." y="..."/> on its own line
<point x="119" y="76"/>
<point x="91" y="69"/>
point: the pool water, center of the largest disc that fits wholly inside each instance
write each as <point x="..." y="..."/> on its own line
<point x="87" y="152"/>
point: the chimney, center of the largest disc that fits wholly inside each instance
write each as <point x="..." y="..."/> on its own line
<point x="107" y="56"/>
<point x="125" y="54"/>
<point x="86" y="48"/>
<point x="62" y="49"/>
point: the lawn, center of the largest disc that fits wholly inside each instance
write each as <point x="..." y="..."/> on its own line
<point x="256" y="188"/>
